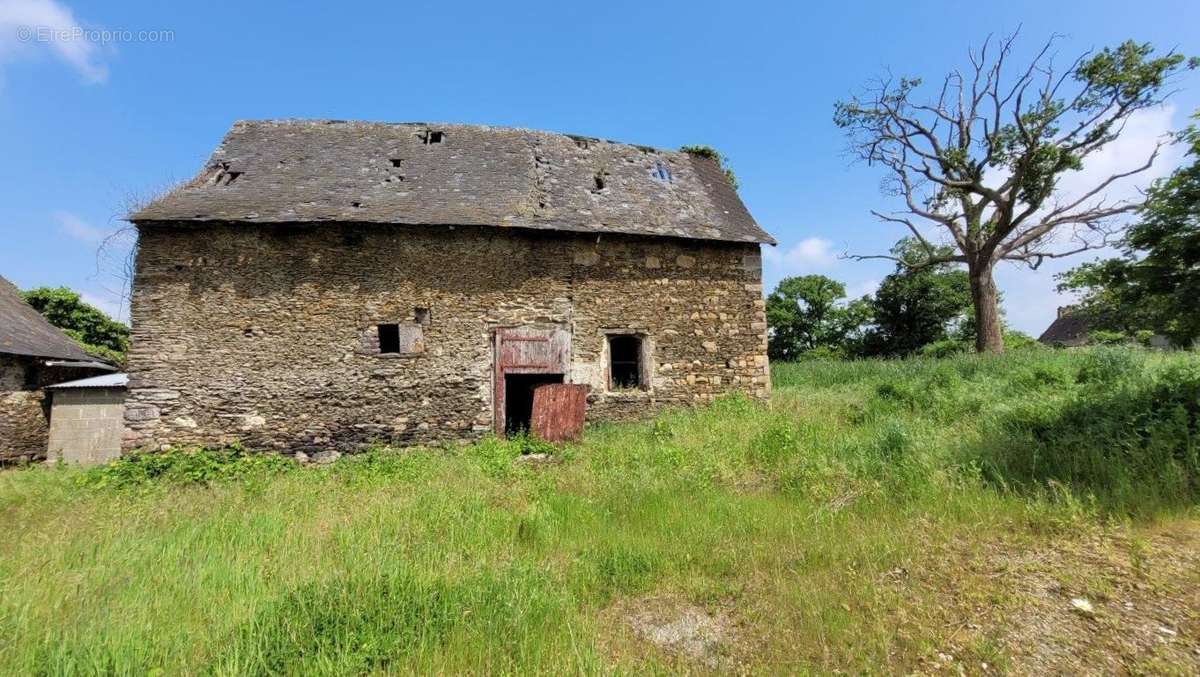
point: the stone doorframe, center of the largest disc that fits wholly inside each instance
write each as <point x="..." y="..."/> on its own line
<point x="526" y="350"/>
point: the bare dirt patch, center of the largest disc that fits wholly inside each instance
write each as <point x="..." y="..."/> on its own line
<point x="1115" y="601"/>
<point x="689" y="636"/>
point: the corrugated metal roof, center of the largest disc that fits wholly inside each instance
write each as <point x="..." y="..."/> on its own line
<point x="23" y="330"/>
<point x="77" y="364"/>
<point x="303" y="171"/>
<point x="104" y="381"/>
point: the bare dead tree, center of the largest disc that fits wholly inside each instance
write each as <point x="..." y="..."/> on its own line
<point x="980" y="161"/>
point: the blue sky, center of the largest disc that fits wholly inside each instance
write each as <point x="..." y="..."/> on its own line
<point x="87" y="124"/>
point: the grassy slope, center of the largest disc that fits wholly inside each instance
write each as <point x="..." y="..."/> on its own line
<point x="875" y="514"/>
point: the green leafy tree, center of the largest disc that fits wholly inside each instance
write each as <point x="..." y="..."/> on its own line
<point x="914" y="307"/>
<point x="1155" y="285"/>
<point x="810" y="313"/>
<point x="980" y="159"/>
<point x="95" y="332"/>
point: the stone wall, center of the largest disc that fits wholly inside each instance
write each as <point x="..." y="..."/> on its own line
<point x="86" y="424"/>
<point x="23" y="420"/>
<point x="267" y="334"/>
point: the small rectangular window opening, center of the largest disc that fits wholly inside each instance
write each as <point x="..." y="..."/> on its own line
<point x="625" y="362"/>
<point x="389" y="338"/>
<point x="396" y="162"/>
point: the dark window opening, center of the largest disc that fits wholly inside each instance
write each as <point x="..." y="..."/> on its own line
<point x="518" y="399"/>
<point x="422" y="316"/>
<point x="356" y="205"/>
<point x="429" y="136"/>
<point x="389" y="338"/>
<point x="396" y="161"/>
<point x="625" y="362"/>
<point x="31" y="377"/>
<point x="599" y="179"/>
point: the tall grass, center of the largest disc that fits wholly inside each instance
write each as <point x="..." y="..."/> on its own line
<point x="470" y="560"/>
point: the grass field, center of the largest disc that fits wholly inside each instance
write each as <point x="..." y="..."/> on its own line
<point x="928" y="516"/>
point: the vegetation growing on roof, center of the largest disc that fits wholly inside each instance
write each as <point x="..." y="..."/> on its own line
<point x="712" y="154"/>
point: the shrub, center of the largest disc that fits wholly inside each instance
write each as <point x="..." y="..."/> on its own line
<point x="1103" y="337"/>
<point x="1131" y="444"/>
<point x="179" y="465"/>
<point x="1015" y="340"/>
<point x="823" y="353"/>
<point x="944" y="348"/>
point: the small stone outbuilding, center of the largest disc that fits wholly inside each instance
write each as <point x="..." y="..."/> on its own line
<point x="33" y="354"/>
<point x="324" y="284"/>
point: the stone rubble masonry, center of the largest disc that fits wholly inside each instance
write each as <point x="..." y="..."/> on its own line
<point x="266" y="334"/>
<point x="87" y="424"/>
<point x="22" y="412"/>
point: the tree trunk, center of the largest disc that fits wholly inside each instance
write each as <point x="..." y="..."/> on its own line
<point x="986" y="300"/>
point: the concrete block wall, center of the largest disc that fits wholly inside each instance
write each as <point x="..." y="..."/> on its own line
<point x="86" y="425"/>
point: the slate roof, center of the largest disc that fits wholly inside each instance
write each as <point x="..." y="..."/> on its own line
<point x="1068" y="329"/>
<point x="294" y="171"/>
<point x="23" y="330"/>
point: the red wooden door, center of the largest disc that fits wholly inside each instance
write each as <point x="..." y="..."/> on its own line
<point x="558" y="411"/>
<point x="526" y="350"/>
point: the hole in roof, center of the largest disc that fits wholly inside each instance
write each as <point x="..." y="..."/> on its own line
<point x="599" y="179"/>
<point x="231" y="177"/>
<point x="661" y="172"/>
<point x="356" y="205"/>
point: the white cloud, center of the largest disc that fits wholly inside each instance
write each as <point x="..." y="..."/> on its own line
<point x="26" y="24"/>
<point x="1143" y="131"/>
<point x="1030" y="297"/>
<point x="809" y="253"/>
<point x="78" y="228"/>
<point x="857" y="290"/>
<point x="109" y="303"/>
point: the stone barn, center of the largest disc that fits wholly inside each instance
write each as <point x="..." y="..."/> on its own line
<point x="33" y="354"/>
<point x="324" y="284"/>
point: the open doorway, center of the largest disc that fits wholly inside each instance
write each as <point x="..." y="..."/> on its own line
<point x="518" y="399"/>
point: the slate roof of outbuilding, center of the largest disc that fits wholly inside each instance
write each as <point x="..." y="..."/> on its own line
<point x="23" y="330"/>
<point x="295" y="171"/>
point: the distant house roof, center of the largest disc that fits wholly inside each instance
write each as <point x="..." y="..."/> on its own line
<point x="102" y="381"/>
<point x="23" y="330"/>
<point x="293" y="171"/>
<point x="1070" y="328"/>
